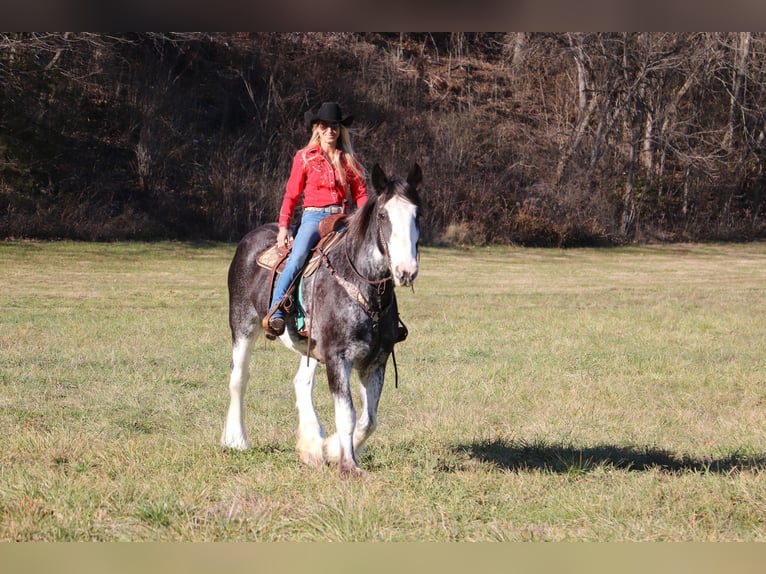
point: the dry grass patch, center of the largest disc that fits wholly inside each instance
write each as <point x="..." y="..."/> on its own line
<point x="544" y="395"/>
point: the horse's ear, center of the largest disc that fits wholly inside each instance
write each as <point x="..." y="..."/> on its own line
<point x="379" y="179"/>
<point x="415" y="177"/>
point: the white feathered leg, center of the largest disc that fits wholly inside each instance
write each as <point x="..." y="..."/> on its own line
<point x="234" y="433"/>
<point x="340" y="446"/>
<point x="310" y="431"/>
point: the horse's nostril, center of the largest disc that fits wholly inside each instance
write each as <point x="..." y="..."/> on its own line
<point x="405" y="277"/>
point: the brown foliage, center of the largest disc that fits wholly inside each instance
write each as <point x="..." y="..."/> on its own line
<point x="536" y="139"/>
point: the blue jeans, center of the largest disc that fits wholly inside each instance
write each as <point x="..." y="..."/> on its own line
<point x="305" y="240"/>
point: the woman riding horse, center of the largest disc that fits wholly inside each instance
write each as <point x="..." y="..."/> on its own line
<point x="352" y="314"/>
<point x="321" y="172"/>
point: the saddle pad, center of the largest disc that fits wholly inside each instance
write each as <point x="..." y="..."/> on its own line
<point x="273" y="254"/>
<point x="269" y="258"/>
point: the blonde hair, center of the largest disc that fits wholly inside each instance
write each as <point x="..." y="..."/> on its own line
<point x="344" y="149"/>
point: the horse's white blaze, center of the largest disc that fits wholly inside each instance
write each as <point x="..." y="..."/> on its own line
<point x="402" y="246"/>
<point x="310" y="431"/>
<point x="234" y="434"/>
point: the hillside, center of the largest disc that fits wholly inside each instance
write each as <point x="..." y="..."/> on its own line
<point x="535" y="139"/>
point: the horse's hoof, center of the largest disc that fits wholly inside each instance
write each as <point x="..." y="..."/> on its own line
<point x="331" y="449"/>
<point x="311" y="459"/>
<point x="236" y="446"/>
<point x="235" y="442"/>
<point x="354" y="473"/>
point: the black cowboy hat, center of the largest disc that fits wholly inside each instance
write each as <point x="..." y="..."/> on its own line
<point x="328" y="112"/>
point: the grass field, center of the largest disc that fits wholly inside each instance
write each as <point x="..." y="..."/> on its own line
<point x="594" y="395"/>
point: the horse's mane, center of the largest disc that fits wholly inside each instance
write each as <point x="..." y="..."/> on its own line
<point x="359" y="221"/>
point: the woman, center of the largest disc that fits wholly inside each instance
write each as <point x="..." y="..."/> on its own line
<point x="322" y="172"/>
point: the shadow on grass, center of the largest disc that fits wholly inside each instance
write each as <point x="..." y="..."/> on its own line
<point x="517" y="456"/>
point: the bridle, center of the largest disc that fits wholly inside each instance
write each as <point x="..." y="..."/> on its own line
<point x="380" y="285"/>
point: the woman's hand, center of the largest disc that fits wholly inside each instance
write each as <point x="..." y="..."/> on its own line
<point x="283" y="237"/>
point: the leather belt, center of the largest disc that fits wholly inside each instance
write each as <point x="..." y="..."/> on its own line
<point x="327" y="209"/>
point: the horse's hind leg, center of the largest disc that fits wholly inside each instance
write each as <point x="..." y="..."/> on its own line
<point x="234" y="434"/>
<point x="310" y="431"/>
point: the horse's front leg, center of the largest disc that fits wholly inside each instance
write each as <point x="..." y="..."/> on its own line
<point x="310" y="431"/>
<point x="340" y="446"/>
<point x="371" y="388"/>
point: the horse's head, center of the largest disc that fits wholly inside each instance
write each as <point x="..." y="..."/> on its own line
<point x="397" y="213"/>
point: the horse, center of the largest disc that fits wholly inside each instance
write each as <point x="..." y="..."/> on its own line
<point x="353" y="320"/>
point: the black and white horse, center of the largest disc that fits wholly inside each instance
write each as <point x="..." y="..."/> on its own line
<point x="349" y="301"/>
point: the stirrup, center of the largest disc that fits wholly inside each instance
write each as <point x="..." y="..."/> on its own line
<point x="272" y="332"/>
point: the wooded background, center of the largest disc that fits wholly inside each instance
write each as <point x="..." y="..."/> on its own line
<point x="528" y="138"/>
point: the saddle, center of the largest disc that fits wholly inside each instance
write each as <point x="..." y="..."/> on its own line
<point x="331" y="230"/>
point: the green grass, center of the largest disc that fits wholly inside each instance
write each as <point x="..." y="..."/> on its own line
<point x="600" y="395"/>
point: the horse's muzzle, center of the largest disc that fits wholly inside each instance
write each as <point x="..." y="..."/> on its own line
<point x="404" y="275"/>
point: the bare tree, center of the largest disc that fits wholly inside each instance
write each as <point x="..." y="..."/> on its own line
<point x="741" y="49"/>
